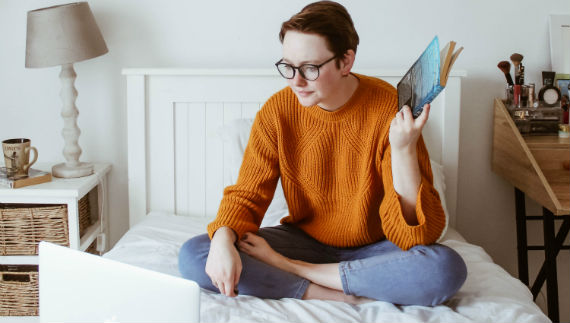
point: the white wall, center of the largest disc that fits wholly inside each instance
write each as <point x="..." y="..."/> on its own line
<point x="225" y="33"/>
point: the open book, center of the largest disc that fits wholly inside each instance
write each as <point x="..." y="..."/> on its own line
<point x="427" y="77"/>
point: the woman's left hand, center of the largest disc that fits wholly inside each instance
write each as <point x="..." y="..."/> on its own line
<point x="405" y="130"/>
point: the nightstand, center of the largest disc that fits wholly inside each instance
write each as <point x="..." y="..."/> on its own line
<point x="537" y="166"/>
<point x="73" y="193"/>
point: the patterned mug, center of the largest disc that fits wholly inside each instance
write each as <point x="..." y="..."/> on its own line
<point x="17" y="156"/>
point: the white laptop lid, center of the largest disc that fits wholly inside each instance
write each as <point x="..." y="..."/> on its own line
<point x="76" y="286"/>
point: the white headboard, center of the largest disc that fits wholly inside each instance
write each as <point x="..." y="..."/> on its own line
<point x="175" y="158"/>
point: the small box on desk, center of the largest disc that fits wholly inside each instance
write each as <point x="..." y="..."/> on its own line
<point x="536" y="121"/>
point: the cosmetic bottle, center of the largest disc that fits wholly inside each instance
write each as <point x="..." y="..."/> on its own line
<point x="531" y="96"/>
<point x="517" y="95"/>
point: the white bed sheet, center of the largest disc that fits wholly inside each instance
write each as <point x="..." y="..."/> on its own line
<point x="490" y="294"/>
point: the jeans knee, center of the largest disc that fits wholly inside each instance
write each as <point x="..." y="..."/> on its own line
<point x="448" y="273"/>
<point x="456" y="272"/>
<point x="192" y="259"/>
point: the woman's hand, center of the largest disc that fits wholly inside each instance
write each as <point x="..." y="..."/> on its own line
<point x="405" y="130"/>
<point x="224" y="264"/>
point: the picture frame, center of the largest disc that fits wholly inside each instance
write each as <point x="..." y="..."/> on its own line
<point x="563" y="84"/>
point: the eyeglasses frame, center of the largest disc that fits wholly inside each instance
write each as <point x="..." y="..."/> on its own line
<point x="280" y="62"/>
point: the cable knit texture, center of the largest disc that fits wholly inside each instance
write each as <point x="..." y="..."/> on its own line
<point x="335" y="168"/>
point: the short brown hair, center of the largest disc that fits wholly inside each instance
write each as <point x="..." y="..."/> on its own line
<point x="328" y="19"/>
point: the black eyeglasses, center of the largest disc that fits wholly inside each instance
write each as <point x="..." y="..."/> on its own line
<point x="309" y="72"/>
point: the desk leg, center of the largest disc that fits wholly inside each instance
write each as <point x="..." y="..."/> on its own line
<point x="550" y="254"/>
<point x="522" y="246"/>
<point x="560" y="237"/>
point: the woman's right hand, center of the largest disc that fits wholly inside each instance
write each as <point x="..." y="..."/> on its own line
<point x="224" y="264"/>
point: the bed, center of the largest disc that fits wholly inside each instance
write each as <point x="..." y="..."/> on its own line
<point x="187" y="129"/>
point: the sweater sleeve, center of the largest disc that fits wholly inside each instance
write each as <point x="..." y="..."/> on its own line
<point x="244" y="204"/>
<point x="429" y="211"/>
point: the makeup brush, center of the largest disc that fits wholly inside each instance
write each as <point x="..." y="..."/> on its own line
<point x="517" y="58"/>
<point x="506" y="68"/>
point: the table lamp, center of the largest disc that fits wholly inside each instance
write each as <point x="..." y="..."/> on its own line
<point x="63" y="35"/>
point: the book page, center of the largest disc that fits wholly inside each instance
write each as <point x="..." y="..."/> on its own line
<point x="451" y="61"/>
<point x="442" y="58"/>
<point x="445" y="56"/>
<point x="454" y="58"/>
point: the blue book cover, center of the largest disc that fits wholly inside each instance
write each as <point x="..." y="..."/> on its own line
<point x="427" y="76"/>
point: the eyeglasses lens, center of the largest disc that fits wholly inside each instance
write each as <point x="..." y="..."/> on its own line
<point x="308" y="72"/>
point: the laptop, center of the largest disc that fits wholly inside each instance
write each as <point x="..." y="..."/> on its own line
<point x="75" y="286"/>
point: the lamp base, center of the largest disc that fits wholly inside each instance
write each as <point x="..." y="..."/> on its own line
<point x="65" y="171"/>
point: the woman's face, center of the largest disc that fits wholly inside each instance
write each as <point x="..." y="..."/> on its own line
<point x="301" y="48"/>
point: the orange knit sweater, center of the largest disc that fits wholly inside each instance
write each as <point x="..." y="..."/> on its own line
<point x="335" y="168"/>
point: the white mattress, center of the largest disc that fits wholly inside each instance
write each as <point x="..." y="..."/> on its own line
<point x="490" y="294"/>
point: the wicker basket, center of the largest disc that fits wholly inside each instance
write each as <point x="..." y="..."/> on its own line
<point x="92" y="249"/>
<point x="23" y="226"/>
<point x="19" y="290"/>
<point x="84" y="214"/>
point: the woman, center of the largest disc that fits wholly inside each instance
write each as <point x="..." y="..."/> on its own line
<point x="364" y="215"/>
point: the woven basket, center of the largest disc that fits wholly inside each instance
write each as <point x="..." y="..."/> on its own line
<point x="92" y="249"/>
<point x="23" y="226"/>
<point x="19" y="290"/>
<point x="84" y="215"/>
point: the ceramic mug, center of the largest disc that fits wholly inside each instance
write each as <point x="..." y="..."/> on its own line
<point x="17" y="156"/>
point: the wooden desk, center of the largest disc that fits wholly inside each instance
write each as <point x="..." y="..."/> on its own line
<point x="538" y="167"/>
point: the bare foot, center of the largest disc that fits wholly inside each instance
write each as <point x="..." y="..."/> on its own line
<point x="325" y="279"/>
<point x="258" y="248"/>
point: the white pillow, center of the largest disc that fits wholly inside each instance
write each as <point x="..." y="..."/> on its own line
<point x="439" y="185"/>
<point x="236" y="135"/>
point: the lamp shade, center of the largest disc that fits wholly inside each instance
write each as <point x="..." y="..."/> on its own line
<point x="62" y="34"/>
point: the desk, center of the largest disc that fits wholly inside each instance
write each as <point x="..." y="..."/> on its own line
<point x="537" y="167"/>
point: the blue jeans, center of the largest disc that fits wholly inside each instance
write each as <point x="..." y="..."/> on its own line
<point x="423" y="275"/>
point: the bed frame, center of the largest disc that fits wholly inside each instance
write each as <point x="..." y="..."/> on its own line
<point x="176" y="156"/>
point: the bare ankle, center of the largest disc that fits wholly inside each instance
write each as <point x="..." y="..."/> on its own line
<point x="357" y="300"/>
<point x="315" y="291"/>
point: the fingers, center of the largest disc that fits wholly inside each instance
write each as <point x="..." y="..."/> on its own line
<point x="244" y="244"/>
<point x="237" y="276"/>
<point x="400" y="114"/>
<point x="228" y="288"/>
<point x="423" y="117"/>
<point x="222" y="288"/>
<point x="406" y="113"/>
<point x="248" y="239"/>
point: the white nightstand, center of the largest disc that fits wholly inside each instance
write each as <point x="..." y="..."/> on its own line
<point x="66" y="191"/>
